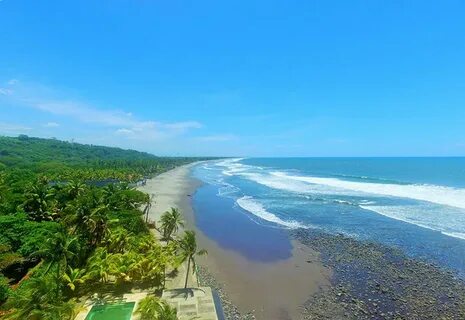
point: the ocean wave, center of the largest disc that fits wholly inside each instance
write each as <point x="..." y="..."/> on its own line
<point x="286" y="184"/>
<point x="459" y="235"/>
<point x="449" y="222"/>
<point x="227" y="189"/>
<point x="249" y="204"/>
<point x="431" y="193"/>
<point x="345" y="202"/>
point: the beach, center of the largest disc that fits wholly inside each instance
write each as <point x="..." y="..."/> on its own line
<point x="263" y="272"/>
<point x="268" y="290"/>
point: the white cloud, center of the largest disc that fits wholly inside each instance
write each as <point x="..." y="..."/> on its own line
<point x="183" y="126"/>
<point x="218" y="138"/>
<point x="12" y="128"/>
<point x="51" y="125"/>
<point x="84" y="112"/>
<point x="126" y="124"/>
<point x="124" y="132"/>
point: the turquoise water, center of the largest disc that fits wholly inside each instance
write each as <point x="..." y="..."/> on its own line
<point x="118" y="311"/>
<point x="415" y="204"/>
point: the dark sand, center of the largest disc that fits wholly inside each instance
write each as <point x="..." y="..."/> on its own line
<point x="271" y="290"/>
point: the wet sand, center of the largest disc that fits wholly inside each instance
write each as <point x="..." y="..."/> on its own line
<point x="271" y="290"/>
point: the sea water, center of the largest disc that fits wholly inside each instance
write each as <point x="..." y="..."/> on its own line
<point x="414" y="204"/>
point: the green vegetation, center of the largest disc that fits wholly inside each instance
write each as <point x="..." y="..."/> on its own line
<point x="188" y="251"/>
<point x="152" y="308"/>
<point x="170" y="222"/>
<point x="71" y="233"/>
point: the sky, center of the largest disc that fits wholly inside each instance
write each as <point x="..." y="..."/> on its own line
<point x="237" y="78"/>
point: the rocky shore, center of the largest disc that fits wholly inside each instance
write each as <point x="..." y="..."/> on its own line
<point x="369" y="281"/>
<point x="372" y="281"/>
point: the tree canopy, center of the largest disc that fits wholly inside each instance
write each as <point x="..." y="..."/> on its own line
<point x="71" y="221"/>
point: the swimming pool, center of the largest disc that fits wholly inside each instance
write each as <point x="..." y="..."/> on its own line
<point x="118" y="311"/>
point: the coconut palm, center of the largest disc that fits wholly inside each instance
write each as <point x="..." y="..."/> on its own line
<point x="37" y="203"/>
<point x="75" y="189"/>
<point x="117" y="240"/>
<point x="100" y="266"/>
<point x="57" y="252"/>
<point x="152" y="308"/>
<point x="170" y="223"/>
<point x="188" y="251"/>
<point x="37" y="301"/>
<point x="73" y="277"/>
<point x="148" y="206"/>
<point x="98" y="223"/>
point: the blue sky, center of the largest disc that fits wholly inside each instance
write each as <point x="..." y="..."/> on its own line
<point x="237" y="78"/>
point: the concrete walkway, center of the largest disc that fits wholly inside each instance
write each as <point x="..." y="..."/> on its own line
<point x="192" y="303"/>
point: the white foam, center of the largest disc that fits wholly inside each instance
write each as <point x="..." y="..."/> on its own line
<point x="437" y="194"/>
<point x="460" y="235"/>
<point x="284" y="183"/>
<point x="227" y="189"/>
<point x="249" y="204"/>
<point x="449" y="222"/>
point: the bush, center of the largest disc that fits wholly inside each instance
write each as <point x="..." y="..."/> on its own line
<point x="131" y="220"/>
<point x="4" y="288"/>
<point x="24" y="236"/>
<point x="153" y="308"/>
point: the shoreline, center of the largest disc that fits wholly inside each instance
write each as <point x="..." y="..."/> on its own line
<point x="250" y="289"/>
<point x="327" y="277"/>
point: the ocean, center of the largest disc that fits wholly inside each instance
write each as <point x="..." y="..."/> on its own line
<point x="414" y="204"/>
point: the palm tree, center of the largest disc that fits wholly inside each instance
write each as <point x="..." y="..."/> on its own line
<point x="148" y="206"/>
<point x="188" y="251"/>
<point x="36" y="301"/>
<point x="170" y="223"/>
<point x="74" y="277"/>
<point x="100" y="265"/>
<point x="75" y="189"/>
<point x="57" y="251"/>
<point x="98" y="223"/>
<point x="37" y="203"/>
<point x="152" y="308"/>
<point x="118" y="240"/>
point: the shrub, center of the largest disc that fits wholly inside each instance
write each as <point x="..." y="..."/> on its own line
<point x="152" y="308"/>
<point x="4" y="288"/>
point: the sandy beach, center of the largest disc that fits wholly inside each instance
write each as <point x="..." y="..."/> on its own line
<point x="275" y="290"/>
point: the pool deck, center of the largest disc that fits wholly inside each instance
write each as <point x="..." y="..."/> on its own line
<point x="192" y="303"/>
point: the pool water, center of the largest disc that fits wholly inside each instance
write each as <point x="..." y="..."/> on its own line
<point x="120" y="311"/>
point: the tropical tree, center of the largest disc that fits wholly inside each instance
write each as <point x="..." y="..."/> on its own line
<point x="169" y="258"/>
<point x="170" y="223"/>
<point x="153" y="308"/>
<point x="99" y="265"/>
<point x="98" y="223"/>
<point x="148" y="206"/>
<point x="117" y="240"/>
<point x="4" y="288"/>
<point x="36" y="301"/>
<point x="188" y="251"/>
<point x="57" y="252"/>
<point x="75" y="188"/>
<point x="38" y="201"/>
<point x="73" y="277"/>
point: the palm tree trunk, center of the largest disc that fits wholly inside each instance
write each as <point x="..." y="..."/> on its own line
<point x="146" y="211"/>
<point x="164" y="276"/>
<point x="187" y="273"/>
<point x="58" y="280"/>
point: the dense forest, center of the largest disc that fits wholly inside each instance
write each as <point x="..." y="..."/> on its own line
<point x="71" y="224"/>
